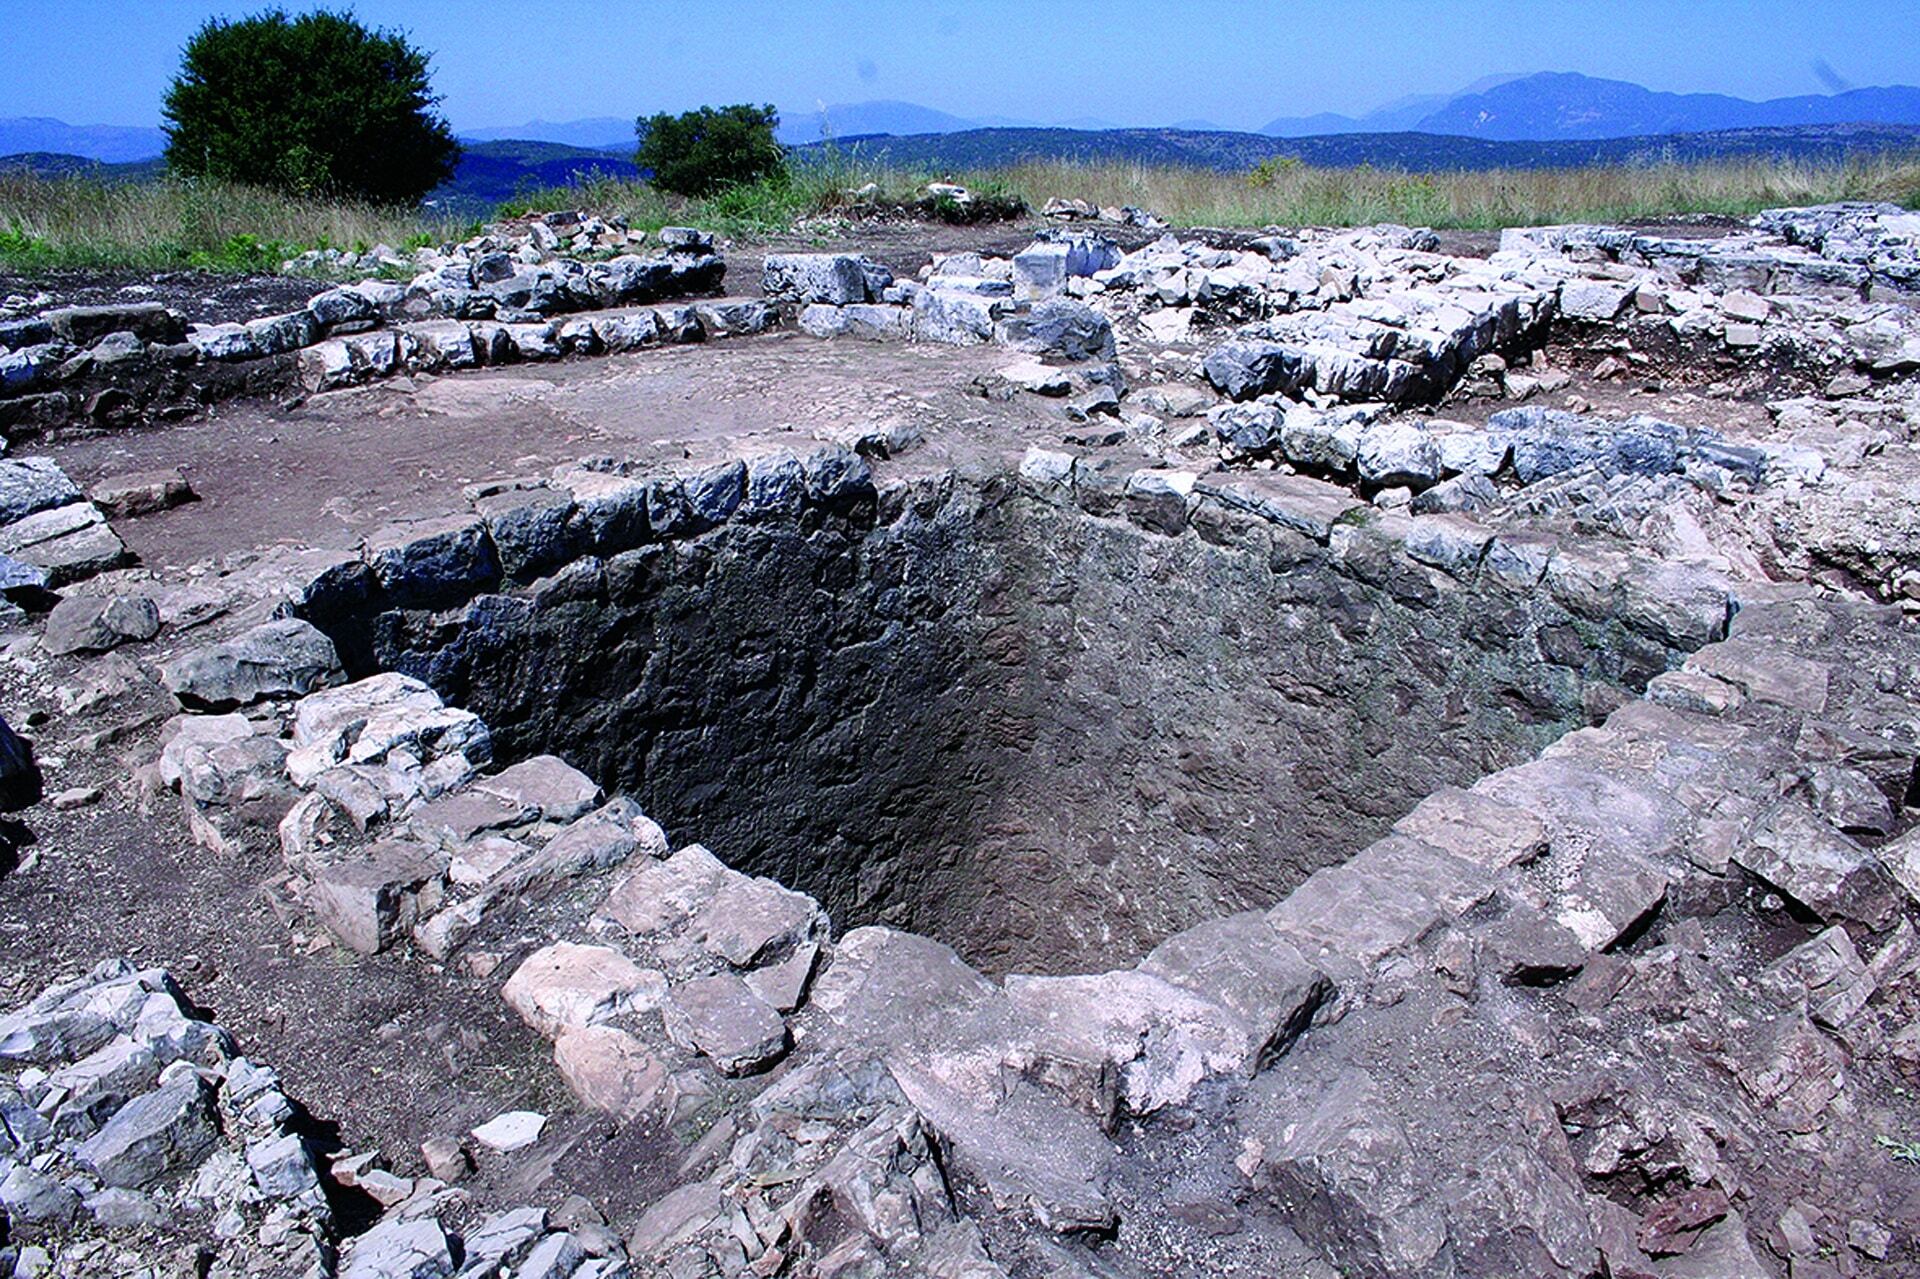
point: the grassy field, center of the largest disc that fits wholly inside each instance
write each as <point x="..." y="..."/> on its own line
<point x="75" y="222"/>
<point x="54" y="223"/>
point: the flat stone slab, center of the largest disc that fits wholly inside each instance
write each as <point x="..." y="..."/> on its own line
<point x="283" y="658"/>
<point x="547" y="784"/>
<point x="721" y="1018"/>
<point x="569" y="986"/>
<point x="514" y="1130"/>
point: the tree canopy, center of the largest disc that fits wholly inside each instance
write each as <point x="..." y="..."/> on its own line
<point x="311" y="104"/>
<point x="704" y="151"/>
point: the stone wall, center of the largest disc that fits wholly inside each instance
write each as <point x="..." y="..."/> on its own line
<point x="1047" y="723"/>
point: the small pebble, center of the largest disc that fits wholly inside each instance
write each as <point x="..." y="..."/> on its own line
<point x="77" y="797"/>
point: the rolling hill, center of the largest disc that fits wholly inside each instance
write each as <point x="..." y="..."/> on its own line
<point x="1563" y="105"/>
<point x="1416" y="152"/>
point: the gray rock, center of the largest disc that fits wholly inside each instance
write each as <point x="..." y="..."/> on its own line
<point x="85" y="325"/>
<point x="141" y="493"/>
<point x="117" y="1209"/>
<point x="278" y="334"/>
<point x="430" y="562"/>
<point x="371" y="902"/>
<point x="834" y="278"/>
<point x="224" y="342"/>
<point x="20" y="582"/>
<point x="342" y="311"/>
<point x="154" y="1134"/>
<point x="1593" y="300"/>
<point x="1061" y="327"/>
<point x="282" y="1168"/>
<point x="955" y="318"/>
<point x="723" y="1019"/>
<point x="283" y="658"/>
<point x="400" y="1248"/>
<point x="1817" y="866"/>
<point x="1040" y="272"/>
<point x="35" y="1199"/>
<point x="75" y="555"/>
<point x="548" y="785"/>
<point x="1341" y="1170"/>
<point x="32" y="484"/>
<point x="1398" y="453"/>
<point x="531" y="529"/>
<point x="750" y="921"/>
<point x="95" y="623"/>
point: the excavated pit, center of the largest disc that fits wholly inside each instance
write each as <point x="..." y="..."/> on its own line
<point x="1045" y="735"/>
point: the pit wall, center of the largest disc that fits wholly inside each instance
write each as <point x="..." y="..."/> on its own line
<point x="1049" y="719"/>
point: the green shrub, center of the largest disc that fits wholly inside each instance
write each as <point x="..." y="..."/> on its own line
<point x="709" y="150"/>
<point x="243" y="254"/>
<point x="313" y="105"/>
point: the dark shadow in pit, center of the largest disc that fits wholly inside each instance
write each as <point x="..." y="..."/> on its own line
<point x="1041" y="734"/>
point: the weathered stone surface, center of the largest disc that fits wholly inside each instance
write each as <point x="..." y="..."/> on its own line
<point x="833" y="278"/>
<point x="1343" y="1172"/>
<point x="1240" y="963"/>
<point x="1066" y="329"/>
<point x="656" y="900"/>
<point x="95" y="623"/>
<point x="511" y="1131"/>
<point x="85" y="325"/>
<point x="152" y="1135"/>
<point x="141" y="493"/>
<point x="547" y="784"/>
<point x="399" y="1248"/>
<point x="432" y="561"/>
<point x="275" y="659"/>
<point x="749" y="921"/>
<point x="609" y="1070"/>
<point x="565" y="986"/>
<point x="1823" y="870"/>
<point x="371" y="902"/>
<point x="721" y="1018"/>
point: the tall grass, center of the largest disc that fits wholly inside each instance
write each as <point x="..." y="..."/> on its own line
<point x="1286" y="193"/>
<point x="74" y="222"/>
<point x="50" y="223"/>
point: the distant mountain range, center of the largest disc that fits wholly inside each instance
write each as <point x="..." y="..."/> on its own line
<point x="1564" y="105"/>
<point x="1415" y="152"/>
<point x="598" y="133"/>
<point x="1547" y="107"/>
<point x="108" y="143"/>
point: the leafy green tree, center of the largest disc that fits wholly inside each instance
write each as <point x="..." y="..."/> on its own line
<point x="316" y="104"/>
<point x="709" y="150"/>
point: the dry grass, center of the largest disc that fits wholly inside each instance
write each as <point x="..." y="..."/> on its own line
<point x="78" y="222"/>
<point x="1292" y="194"/>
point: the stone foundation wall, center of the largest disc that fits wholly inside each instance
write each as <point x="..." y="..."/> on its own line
<point x="1049" y="724"/>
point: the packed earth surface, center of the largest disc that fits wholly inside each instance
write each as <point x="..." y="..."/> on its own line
<point x="1067" y="750"/>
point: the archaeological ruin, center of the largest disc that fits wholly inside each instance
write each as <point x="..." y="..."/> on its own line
<point x="1129" y="754"/>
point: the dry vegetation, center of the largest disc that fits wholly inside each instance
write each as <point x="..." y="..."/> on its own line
<point x="61" y="222"/>
<point x="49" y="223"/>
<point x="1287" y="193"/>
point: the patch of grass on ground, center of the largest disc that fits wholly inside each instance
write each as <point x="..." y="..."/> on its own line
<point x="78" y="222"/>
<point x="1277" y="193"/>
<point x="1287" y="193"/>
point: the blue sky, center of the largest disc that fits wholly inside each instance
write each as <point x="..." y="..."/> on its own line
<point x="1238" y="63"/>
